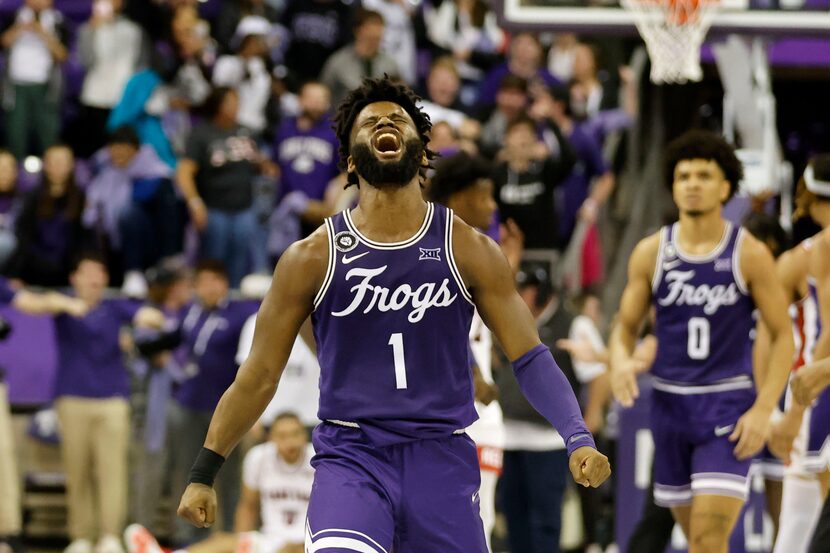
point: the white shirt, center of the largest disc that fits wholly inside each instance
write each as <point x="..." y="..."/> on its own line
<point x="583" y="328"/>
<point x="438" y="113"/>
<point x="488" y="430"/>
<point x="298" y="390"/>
<point x="284" y="491"/>
<point x="115" y="49"/>
<point x="30" y="61"/>
<point x="254" y="91"/>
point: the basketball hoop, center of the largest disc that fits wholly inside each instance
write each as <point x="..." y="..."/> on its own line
<point x="673" y="31"/>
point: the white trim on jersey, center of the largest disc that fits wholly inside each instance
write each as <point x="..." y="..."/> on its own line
<point x="456" y="274"/>
<point x="736" y="383"/>
<point x="314" y="543"/>
<point x="720" y="483"/>
<point x="707" y="257"/>
<point x="347" y="217"/>
<point x="658" y="268"/>
<point x="672" y="496"/>
<point x="331" y="266"/>
<point x="736" y="263"/>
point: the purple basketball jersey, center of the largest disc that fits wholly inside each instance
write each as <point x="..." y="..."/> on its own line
<point x="704" y="313"/>
<point x="392" y="322"/>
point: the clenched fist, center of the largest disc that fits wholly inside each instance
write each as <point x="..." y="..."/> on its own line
<point x="198" y="505"/>
<point x="589" y="467"/>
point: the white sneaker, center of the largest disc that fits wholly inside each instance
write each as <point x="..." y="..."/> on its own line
<point x="79" y="546"/>
<point x="135" y="285"/>
<point x="109" y="544"/>
<point x="140" y="540"/>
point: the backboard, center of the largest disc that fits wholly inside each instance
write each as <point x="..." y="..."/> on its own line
<point x="758" y="17"/>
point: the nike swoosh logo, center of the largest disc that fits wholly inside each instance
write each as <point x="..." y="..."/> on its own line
<point x="669" y="265"/>
<point x="723" y="430"/>
<point x="347" y="259"/>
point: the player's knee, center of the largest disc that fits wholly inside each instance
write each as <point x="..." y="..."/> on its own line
<point x="709" y="534"/>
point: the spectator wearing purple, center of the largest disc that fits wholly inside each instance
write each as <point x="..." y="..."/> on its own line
<point x="317" y="28"/>
<point x="591" y="182"/>
<point x="526" y="180"/>
<point x="210" y="338"/>
<point x="169" y="291"/>
<point x="11" y="201"/>
<point x="92" y="388"/>
<point x="306" y="153"/>
<point x="36" y="46"/>
<point x="216" y="179"/>
<point x="346" y="68"/>
<point x="132" y="205"/>
<point x="525" y="59"/>
<point x="49" y="229"/>
<point x="111" y="49"/>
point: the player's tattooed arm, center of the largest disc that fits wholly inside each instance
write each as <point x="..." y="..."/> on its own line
<point x="634" y="305"/>
<point x="758" y="269"/>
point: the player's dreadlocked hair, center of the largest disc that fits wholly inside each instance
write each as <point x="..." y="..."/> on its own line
<point x="804" y="197"/>
<point x="379" y="90"/>
<point x="698" y="144"/>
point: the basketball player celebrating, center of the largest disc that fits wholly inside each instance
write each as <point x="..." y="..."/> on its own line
<point x="391" y="287"/>
<point x="705" y="278"/>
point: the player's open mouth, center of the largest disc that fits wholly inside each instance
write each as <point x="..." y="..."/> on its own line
<point x="387" y="144"/>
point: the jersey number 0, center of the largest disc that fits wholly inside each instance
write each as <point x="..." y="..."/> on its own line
<point x="698" y="344"/>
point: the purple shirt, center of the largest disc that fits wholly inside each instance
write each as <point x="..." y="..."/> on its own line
<point x="307" y="159"/>
<point x="576" y="187"/>
<point x="211" y="340"/>
<point x="90" y="360"/>
<point x="490" y="85"/>
<point x="6" y="293"/>
<point x="704" y="313"/>
<point x="392" y="324"/>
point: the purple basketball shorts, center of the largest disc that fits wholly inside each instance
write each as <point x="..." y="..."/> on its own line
<point x="414" y="497"/>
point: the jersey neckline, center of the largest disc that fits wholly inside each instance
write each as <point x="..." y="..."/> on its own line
<point x="347" y="217"/>
<point x="702" y="258"/>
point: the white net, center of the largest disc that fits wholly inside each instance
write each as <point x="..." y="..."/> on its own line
<point x="673" y="31"/>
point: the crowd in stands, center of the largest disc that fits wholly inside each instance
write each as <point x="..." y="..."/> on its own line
<point x="150" y="141"/>
<point x="203" y="129"/>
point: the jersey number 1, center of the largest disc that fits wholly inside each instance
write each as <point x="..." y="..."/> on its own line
<point x="396" y="341"/>
<point x="698" y="345"/>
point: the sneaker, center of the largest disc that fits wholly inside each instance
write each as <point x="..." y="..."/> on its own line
<point x="140" y="540"/>
<point x="79" y="546"/>
<point x="109" y="544"/>
<point x="135" y="285"/>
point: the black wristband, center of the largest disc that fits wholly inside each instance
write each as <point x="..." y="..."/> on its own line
<point x="205" y="468"/>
